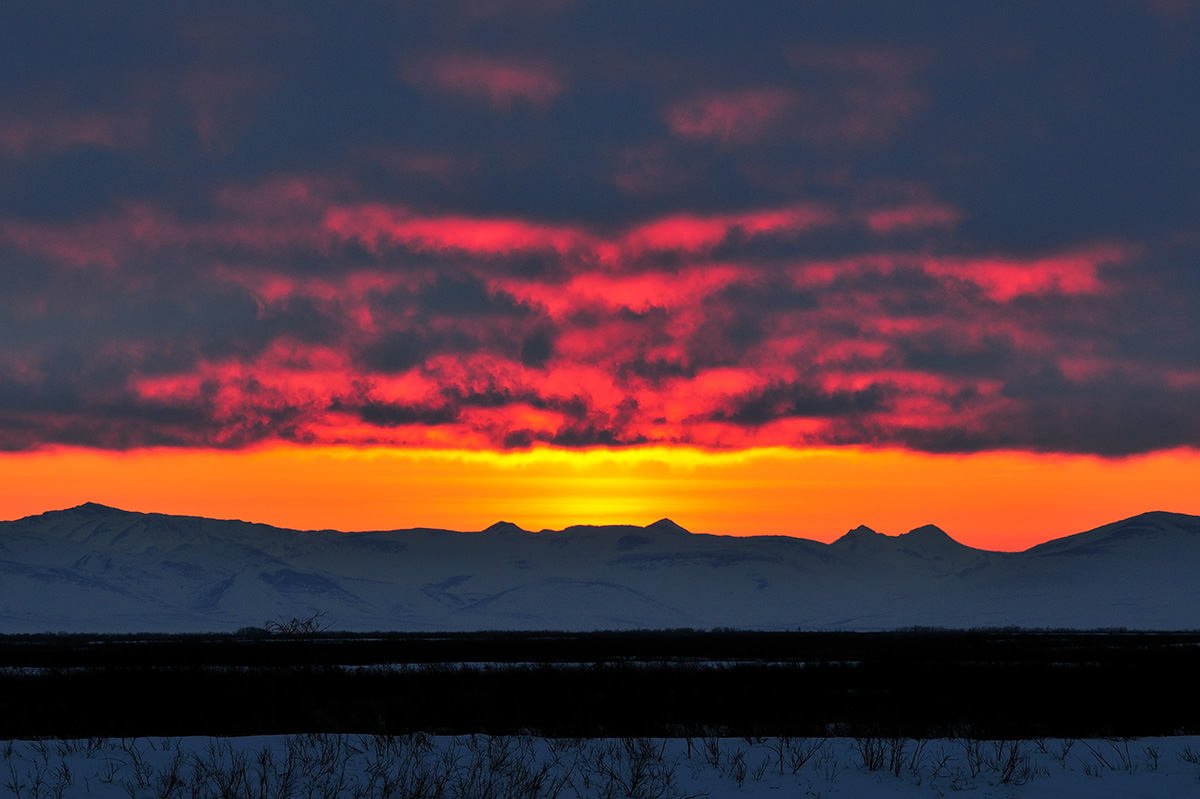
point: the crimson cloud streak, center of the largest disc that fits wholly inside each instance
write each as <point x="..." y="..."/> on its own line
<point x="944" y="228"/>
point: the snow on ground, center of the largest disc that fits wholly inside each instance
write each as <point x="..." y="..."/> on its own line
<point x="483" y="767"/>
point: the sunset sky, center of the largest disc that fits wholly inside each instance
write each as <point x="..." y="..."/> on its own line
<point x="768" y="267"/>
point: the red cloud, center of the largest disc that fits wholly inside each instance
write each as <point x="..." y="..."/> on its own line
<point x="853" y="95"/>
<point x="296" y="212"/>
<point x="732" y="116"/>
<point x="649" y="170"/>
<point x="22" y="136"/>
<point x="639" y="292"/>
<point x="703" y="329"/>
<point x="912" y="217"/>
<point x="429" y="164"/>
<point x="268" y="217"/>
<point x="1002" y="278"/>
<point x="379" y="225"/>
<point x="223" y="101"/>
<point x="692" y="233"/>
<point x="500" y="82"/>
<point x="1006" y="278"/>
<point x="107" y="241"/>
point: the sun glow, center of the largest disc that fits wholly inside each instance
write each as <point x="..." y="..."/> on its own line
<point x="992" y="500"/>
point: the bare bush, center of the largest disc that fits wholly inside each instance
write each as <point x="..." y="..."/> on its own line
<point x="1011" y="763"/>
<point x="872" y="750"/>
<point x="794" y="753"/>
<point x="634" y="768"/>
<point x="297" y="627"/>
<point x="712" y="751"/>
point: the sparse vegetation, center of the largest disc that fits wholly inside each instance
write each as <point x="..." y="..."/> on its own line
<point x="418" y="766"/>
<point x="294" y="627"/>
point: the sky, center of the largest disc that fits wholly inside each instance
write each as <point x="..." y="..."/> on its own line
<point x="768" y="267"/>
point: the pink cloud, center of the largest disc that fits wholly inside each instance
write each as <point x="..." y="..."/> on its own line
<point x="500" y="82"/>
<point x="280" y="197"/>
<point x="857" y="95"/>
<point x="301" y="211"/>
<point x="630" y="346"/>
<point x="379" y="225"/>
<point x="1006" y="278"/>
<point x="424" y="163"/>
<point x="639" y="292"/>
<point x="105" y="241"/>
<point x="860" y="114"/>
<point x="870" y="93"/>
<point x="271" y="216"/>
<point x="24" y="135"/>
<point x="649" y="170"/>
<point x="1002" y="278"/>
<point x="855" y="110"/>
<point x="695" y="233"/>
<point x="912" y="217"/>
<point x="223" y="102"/>
<point x="739" y="116"/>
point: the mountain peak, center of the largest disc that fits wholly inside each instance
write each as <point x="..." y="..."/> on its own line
<point x="1136" y="531"/>
<point x="930" y="540"/>
<point x="95" y="509"/>
<point x="504" y="527"/>
<point x="667" y="526"/>
<point x="927" y="533"/>
<point x="859" y="535"/>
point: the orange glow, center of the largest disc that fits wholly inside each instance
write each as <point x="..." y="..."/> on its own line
<point x="996" y="500"/>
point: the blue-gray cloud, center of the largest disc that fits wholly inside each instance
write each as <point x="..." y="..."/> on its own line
<point x="950" y="227"/>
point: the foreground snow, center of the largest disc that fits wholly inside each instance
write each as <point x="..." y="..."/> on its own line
<point x="480" y="767"/>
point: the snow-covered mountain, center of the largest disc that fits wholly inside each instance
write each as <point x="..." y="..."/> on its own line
<point x="94" y="568"/>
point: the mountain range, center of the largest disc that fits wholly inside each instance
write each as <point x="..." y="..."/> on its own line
<point x="98" y="569"/>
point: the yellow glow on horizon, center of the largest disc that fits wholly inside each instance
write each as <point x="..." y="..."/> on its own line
<point x="1003" y="500"/>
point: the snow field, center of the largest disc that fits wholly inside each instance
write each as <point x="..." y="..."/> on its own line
<point x="324" y="766"/>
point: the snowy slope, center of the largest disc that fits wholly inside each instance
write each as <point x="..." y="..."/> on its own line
<point x="94" y="568"/>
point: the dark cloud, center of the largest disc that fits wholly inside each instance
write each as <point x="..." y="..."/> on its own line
<point x="942" y="352"/>
<point x="396" y="351"/>
<point x="465" y="296"/>
<point x="392" y="414"/>
<point x="950" y="227"/>
<point x="537" y="348"/>
<point x="781" y="401"/>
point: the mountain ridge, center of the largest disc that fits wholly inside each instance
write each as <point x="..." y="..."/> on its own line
<point x="97" y="568"/>
<point x="927" y="533"/>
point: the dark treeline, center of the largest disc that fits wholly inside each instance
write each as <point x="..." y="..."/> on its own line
<point x="992" y="684"/>
<point x="254" y="647"/>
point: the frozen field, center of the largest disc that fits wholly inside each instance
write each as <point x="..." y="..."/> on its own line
<point x="520" y="767"/>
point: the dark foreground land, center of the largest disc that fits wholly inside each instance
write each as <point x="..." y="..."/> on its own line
<point x="993" y="684"/>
